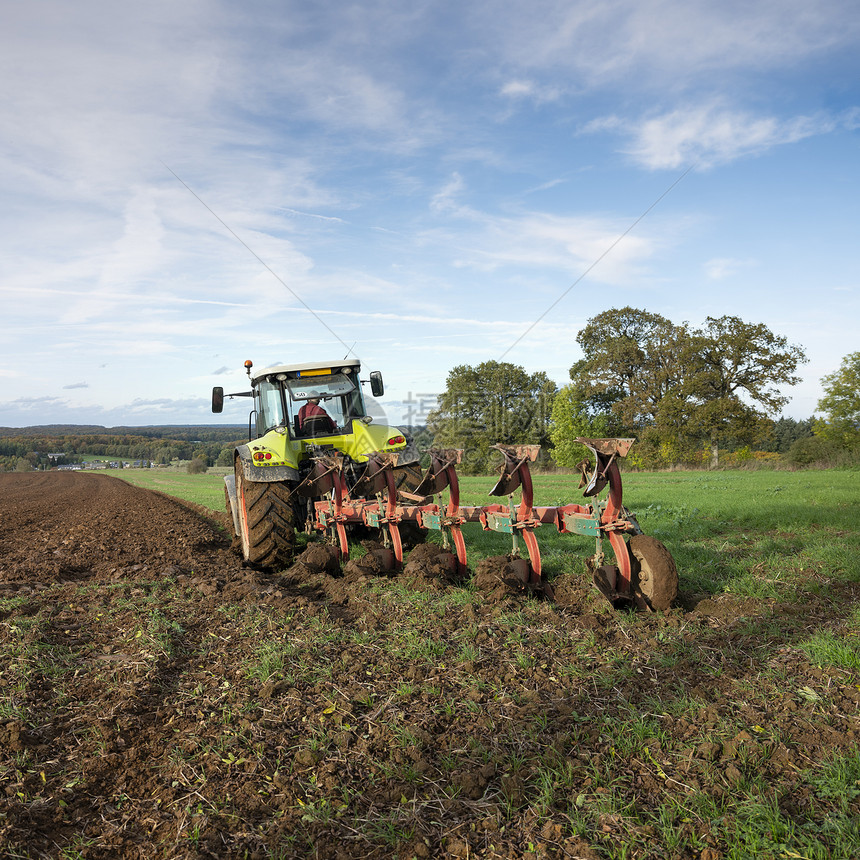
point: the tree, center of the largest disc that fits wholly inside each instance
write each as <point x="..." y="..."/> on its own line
<point x="225" y="456"/>
<point x="493" y="402"/>
<point x="632" y="362"/>
<point x="570" y="419"/>
<point x="725" y="359"/>
<point x="841" y="404"/>
<point x="787" y="431"/>
<point x="197" y="466"/>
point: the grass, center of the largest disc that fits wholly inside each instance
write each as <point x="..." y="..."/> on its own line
<point x="206" y="489"/>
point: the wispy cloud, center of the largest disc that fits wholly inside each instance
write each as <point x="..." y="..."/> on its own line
<point x="720" y="268"/>
<point x="670" y="44"/>
<point x="539" y="241"/>
<point x="445" y="200"/>
<point x="707" y="135"/>
<point x="526" y="89"/>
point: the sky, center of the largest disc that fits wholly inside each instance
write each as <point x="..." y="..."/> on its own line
<point x="187" y="184"/>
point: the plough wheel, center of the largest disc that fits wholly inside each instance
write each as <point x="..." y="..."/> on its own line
<point x="266" y="521"/>
<point x="655" y="576"/>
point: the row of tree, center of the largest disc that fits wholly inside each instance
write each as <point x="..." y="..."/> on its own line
<point x="30" y="449"/>
<point x="684" y="392"/>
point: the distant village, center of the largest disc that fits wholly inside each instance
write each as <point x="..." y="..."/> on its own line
<point x="61" y="464"/>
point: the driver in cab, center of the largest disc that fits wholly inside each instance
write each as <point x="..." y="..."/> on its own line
<point x="322" y="421"/>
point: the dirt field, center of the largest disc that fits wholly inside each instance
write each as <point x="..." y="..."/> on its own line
<point x="158" y="700"/>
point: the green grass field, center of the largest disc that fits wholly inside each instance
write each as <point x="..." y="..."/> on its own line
<point x="206" y="489"/>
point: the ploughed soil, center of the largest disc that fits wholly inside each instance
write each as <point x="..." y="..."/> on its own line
<point x="161" y="700"/>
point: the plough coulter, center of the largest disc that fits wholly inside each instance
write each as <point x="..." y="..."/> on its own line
<point x="643" y="573"/>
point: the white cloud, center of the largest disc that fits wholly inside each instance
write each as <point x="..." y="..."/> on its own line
<point x="518" y="89"/>
<point x="708" y="135"/>
<point x="720" y="268"/>
<point x="525" y="89"/>
<point x="444" y="199"/>
<point x="670" y="44"/>
<point x="542" y="241"/>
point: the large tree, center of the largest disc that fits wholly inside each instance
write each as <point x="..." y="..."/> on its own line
<point x="670" y="382"/>
<point x="632" y="361"/>
<point x="734" y="371"/>
<point x="493" y="402"/>
<point x="841" y="404"/>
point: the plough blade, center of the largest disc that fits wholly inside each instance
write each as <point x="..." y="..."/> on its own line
<point x="375" y="477"/>
<point x="438" y="477"/>
<point x="321" y="479"/>
<point x="516" y="458"/>
<point x="605" y="452"/>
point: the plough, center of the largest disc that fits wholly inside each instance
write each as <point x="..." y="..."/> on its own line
<point x="643" y="573"/>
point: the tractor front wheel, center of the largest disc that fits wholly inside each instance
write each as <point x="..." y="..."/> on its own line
<point x="655" y="576"/>
<point x="267" y="520"/>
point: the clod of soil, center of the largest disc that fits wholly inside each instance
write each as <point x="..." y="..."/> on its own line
<point x="429" y="566"/>
<point x="500" y="576"/>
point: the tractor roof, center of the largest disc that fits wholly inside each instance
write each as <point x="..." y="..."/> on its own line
<point x="332" y="366"/>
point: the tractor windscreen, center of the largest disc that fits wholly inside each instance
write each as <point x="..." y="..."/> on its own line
<point x="337" y="394"/>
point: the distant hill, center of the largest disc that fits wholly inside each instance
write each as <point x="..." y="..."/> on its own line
<point x="188" y="432"/>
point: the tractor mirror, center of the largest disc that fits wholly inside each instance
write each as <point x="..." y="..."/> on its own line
<point x="217" y="399"/>
<point x="377" y="389"/>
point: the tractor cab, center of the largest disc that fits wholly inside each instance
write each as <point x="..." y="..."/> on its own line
<point x="334" y="417"/>
<point x="281" y="392"/>
<point x="285" y="396"/>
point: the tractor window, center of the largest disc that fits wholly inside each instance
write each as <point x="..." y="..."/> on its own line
<point x="339" y="397"/>
<point x="270" y="411"/>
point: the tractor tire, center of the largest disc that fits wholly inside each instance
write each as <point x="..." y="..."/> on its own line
<point x="267" y="519"/>
<point x="655" y="576"/>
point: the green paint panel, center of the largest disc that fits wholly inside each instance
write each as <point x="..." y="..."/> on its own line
<point x="500" y="522"/>
<point x="581" y="525"/>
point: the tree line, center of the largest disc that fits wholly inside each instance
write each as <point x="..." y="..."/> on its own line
<point x="29" y="448"/>
<point x="686" y="393"/>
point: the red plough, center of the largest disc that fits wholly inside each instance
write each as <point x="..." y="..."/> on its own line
<point x="643" y="573"/>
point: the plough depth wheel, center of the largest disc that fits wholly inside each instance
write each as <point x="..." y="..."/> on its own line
<point x="655" y="576"/>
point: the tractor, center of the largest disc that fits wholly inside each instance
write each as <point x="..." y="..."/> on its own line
<point x="303" y="412"/>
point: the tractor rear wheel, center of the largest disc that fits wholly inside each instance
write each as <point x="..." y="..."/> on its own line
<point x="267" y="518"/>
<point x="655" y="576"/>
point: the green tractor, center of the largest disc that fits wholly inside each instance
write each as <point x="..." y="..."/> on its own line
<point x="303" y="412"/>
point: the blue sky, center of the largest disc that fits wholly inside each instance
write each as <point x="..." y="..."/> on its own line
<point x="427" y="177"/>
